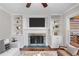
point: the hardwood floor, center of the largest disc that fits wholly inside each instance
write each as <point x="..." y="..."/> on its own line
<point x="61" y="51"/>
<point x="40" y="49"/>
<point x="48" y="51"/>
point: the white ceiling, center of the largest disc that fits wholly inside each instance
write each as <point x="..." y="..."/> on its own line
<point x="36" y="8"/>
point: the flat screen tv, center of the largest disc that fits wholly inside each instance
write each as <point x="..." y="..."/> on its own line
<point x="36" y="22"/>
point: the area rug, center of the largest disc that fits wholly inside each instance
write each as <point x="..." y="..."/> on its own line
<point x="39" y="53"/>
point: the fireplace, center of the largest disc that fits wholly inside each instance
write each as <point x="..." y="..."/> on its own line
<point x="36" y="40"/>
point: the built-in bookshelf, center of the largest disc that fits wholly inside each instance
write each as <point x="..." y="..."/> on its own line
<point x="18" y="24"/>
<point x="56" y="27"/>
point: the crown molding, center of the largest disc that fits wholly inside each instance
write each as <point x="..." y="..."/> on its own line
<point x="3" y="9"/>
<point x="73" y="7"/>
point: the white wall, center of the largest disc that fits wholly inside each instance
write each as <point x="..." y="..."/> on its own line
<point x="5" y="25"/>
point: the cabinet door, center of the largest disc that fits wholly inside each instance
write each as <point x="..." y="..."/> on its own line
<point x="55" y="42"/>
<point x="2" y="46"/>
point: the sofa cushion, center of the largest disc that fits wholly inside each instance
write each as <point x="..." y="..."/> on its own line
<point x="63" y="53"/>
<point x="74" y="44"/>
<point x="73" y="50"/>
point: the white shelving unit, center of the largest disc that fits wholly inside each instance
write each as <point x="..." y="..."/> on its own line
<point x="18" y="23"/>
<point x="56" y="27"/>
<point x="56" y="36"/>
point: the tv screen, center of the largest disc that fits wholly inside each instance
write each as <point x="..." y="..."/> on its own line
<point x="36" y="22"/>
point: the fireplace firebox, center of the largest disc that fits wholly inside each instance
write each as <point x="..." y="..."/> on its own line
<point x="37" y="40"/>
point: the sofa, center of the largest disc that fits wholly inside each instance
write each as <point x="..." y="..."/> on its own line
<point x="69" y="51"/>
<point x="75" y="41"/>
<point x="63" y="53"/>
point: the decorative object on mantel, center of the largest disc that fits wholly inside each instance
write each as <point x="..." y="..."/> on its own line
<point x="56" y="27"/>
<point x="13" y="43"/>
<point x="14" y="39"/>
<point x="18" y="24"/>
<point x="55" y="33"/>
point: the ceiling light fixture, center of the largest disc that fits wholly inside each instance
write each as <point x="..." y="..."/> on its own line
<point x="43" y="4"/>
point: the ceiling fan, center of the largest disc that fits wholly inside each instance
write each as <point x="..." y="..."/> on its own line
<point x="43" y="4"/>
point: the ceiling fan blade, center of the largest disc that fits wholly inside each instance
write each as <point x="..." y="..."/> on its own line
<point x="44" y="5"/>
<point x="28" y="5"/>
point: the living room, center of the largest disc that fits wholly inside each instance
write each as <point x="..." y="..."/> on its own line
<point x="30" y="29"/>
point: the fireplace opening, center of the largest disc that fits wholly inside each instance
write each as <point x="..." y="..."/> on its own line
<point x="37" y="40"/>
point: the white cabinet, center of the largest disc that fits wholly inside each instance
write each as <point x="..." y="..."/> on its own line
<point x="14" y="44"/>
<point x="20" y="41"/>
<point x="56" y="31"/>
<point x="56" y="41"/>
